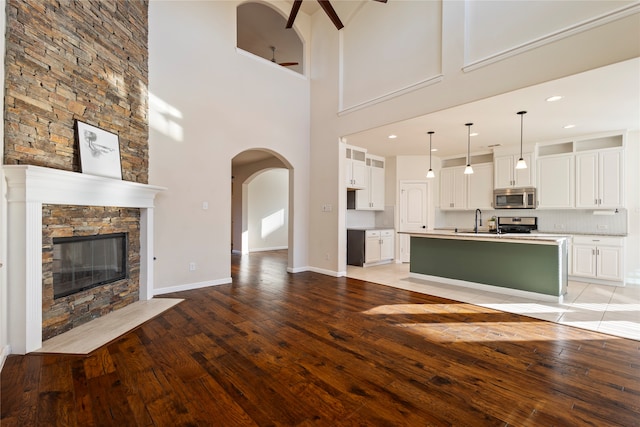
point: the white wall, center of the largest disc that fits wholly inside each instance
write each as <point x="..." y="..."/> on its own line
<point x="217" y="103"/>
<point x="4" y="312"/>
<point x="535" y="60"/>
<point x="268" y="210"/>
<point x="632" y="193"/>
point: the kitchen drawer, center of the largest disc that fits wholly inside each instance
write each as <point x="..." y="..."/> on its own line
<point x="373" y="233"/>
<point x="598" y="240"/>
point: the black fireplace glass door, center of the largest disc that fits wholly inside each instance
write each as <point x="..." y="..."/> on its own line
<point x="83" y="262"/>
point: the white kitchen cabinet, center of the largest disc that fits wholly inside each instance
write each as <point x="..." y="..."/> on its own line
<point x="356" y="173"/>
<point x="372" y="197"/>
<point x="459" y="191"/>
<point x="480" y="187"/>
<point x="555" y="176"/>
<point x="387" y="245"/>
<point x="372" y="246"/>
<point x="506" y="175"/>
<point x="379" y="246"/>
<point x="598" y="257"/>
<point x="452" y="188"/>
<point x="599" y="179"/>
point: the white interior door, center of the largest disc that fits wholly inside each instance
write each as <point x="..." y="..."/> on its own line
<point x="413" y="213"/>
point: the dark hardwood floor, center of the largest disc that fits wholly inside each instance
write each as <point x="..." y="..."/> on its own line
<point x="278" y="349"/>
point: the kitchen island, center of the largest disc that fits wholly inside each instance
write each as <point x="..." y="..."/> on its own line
<point x="530" y="265"/>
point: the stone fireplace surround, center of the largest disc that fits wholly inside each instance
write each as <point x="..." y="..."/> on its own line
<point x="28" y="188"/>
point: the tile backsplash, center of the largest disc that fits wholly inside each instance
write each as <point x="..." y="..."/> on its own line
<point x="612" y="222"/>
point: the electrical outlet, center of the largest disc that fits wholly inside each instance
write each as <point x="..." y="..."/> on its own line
<point x="192" y="266"/>
<point x="326" y="256"/>
<point x="327" y="208"/>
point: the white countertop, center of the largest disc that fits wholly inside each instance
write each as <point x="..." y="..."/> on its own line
<point x="535" y="238"/>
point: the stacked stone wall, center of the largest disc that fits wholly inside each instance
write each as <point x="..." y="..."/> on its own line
<point x="76" y="60"/>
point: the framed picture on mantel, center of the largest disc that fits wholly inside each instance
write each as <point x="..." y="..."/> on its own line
<point x="99" y="151"/>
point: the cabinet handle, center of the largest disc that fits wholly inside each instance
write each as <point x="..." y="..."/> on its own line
<point x="596" y="201"/>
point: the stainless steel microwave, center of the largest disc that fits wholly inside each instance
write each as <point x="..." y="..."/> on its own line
<point x="514" y="198"/>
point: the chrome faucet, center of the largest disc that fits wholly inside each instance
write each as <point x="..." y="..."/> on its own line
<point x="476" y="224"/>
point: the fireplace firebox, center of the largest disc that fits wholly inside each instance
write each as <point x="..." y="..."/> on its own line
<point x="84" y="262"/>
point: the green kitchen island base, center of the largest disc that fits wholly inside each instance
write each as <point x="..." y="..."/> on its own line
<point x="529" y="267"/>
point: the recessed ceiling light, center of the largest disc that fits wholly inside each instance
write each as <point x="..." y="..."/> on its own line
<point x="392" y="136"/>
<point x="569" y="126"/>
<point x="554" y="98"/>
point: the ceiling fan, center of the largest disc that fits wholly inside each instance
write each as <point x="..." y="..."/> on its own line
<point x="273" y="59"/>
<point x="326" y="6"/>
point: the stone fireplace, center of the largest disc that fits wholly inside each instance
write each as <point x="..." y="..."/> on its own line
<point x="90" y="263"/>
<point x="29" y="188"/>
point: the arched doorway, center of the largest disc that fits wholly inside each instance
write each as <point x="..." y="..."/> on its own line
<point x="261" y="197"/>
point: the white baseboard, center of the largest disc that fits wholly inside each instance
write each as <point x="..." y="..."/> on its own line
<point x="6" y="351"/>
<point x="275" y="248"/>
<point x="190" y="286"/>
<point x="596" y="281"/>
<point x="327" y="272"/>
<point x="489" y="288"/>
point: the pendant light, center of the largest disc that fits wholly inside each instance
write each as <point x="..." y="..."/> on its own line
<point x="430" y="173"/>
<point x="468" y="170"/>
<point x="521" y="163"/>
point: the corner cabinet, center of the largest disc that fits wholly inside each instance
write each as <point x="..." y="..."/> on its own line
<point x="599" y="179"/>
<point x="459" y="191"/>
<point x="355" y="167"/>
<point x="372" y="197"/>
<point x="599" y="258"/>
<point x="507" y="176"/>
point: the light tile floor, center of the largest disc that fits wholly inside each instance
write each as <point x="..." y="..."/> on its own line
<point x="609" y="309"/>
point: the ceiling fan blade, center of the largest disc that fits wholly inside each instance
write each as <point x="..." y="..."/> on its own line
<point x="294" y="13"/>
<point x="287" y="64"/>
<point x="381" y="1"/>
<point x="326" y="6"/>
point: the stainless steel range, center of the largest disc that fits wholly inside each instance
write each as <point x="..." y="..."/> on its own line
<point x="517" y="224"/>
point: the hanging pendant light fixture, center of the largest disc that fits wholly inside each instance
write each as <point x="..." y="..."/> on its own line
<point x="468" y="170"/>
<point x="521" y="163"/>
<point x="430" y="173"/>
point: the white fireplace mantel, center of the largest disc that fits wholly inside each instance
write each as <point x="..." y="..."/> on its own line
<point x="28" y="188"/>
